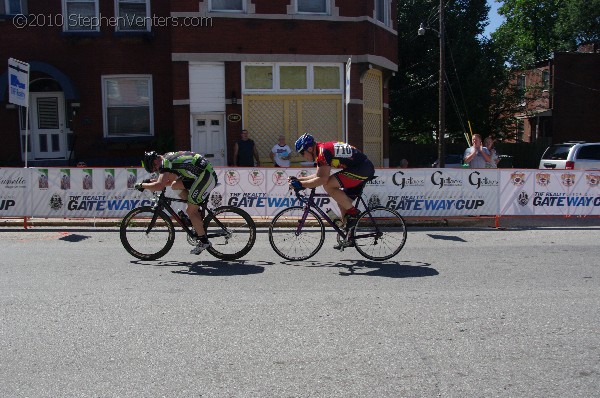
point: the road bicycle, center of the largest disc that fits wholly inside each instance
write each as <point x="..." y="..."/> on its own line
<point x="297" y="233"/>
<point x="148" y="232"/>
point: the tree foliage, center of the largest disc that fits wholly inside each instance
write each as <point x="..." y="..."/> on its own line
<point x="535" y="28"/>
<point x="473" y="68"/>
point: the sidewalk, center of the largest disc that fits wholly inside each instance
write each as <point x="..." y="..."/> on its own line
<point x="463" y="222"/>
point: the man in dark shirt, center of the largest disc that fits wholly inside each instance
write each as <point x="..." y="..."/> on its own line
<point x="245" y="151"/>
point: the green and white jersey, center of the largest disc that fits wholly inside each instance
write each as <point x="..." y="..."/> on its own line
<point x="187" y="165"/>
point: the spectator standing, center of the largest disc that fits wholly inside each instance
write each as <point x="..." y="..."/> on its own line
<point x="244" y="152"/>
<point x="281" y="153"/>
<point x="404" y="164"/>
<point x="477" y="155"/>
<point x="495" y="158"/>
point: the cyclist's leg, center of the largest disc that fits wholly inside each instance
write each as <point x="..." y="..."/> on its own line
<point x="333" y="187"/>
<point x="198" y="193"/>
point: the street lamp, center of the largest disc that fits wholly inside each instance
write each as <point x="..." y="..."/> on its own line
<point x="442" y="85"/>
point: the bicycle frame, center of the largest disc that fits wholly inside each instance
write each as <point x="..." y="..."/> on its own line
<point x="309" y="203"/>
<point x="163" y="202"/>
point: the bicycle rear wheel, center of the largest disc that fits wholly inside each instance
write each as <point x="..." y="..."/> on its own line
<point x="381" y="234"/>
<point x="231" y="231"/>
<point x="143" y="242"/>
<point x="291" y="243"/>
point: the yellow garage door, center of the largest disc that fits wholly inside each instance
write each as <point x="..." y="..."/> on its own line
<point x="268" y="116"/>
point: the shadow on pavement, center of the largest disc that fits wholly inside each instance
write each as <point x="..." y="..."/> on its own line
<point x="210" y="267"/>
<point x="388" y="269"/>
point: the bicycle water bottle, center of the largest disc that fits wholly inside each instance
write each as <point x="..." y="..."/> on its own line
<point x="334" y="217"/>
<point x="184" y="217"/>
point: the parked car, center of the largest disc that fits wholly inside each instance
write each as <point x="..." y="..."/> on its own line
<point x="575" y="155"/>
<point x="453" y="161"/>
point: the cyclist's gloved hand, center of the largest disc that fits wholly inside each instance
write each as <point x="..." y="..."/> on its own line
<point x="296" y="184"/>
<point x="138" y="186"/>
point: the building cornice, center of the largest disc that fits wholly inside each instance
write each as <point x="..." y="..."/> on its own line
<point x="375" y="60"/>
<point x="297" y="17"/>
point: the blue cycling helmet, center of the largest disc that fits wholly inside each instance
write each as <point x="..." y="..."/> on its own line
<point x="305" y="141"/>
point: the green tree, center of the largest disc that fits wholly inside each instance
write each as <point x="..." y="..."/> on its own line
<point x="535" y="28"/>
<point x="473" y="69"/>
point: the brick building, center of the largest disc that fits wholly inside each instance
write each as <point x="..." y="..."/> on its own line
<point x="561" y="98"/>
<point x="110" y="79"/>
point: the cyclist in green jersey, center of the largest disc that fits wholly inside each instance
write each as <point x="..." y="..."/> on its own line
<point x="190" y="174"/>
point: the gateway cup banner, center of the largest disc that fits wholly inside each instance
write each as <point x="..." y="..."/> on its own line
<point x="262" y="192"/>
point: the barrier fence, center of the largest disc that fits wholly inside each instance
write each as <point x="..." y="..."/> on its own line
<point x="109" y="193"/>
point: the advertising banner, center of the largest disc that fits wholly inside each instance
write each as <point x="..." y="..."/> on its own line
<point x="262" y="192"/>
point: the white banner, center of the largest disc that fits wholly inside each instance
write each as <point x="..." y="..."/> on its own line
<point x="18" y="82"/>
<point x="109" y="193"/>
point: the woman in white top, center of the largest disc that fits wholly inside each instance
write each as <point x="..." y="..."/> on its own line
<point x="489" y="144"/>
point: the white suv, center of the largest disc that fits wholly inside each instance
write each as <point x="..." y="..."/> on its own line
<point x="572" y="156"/>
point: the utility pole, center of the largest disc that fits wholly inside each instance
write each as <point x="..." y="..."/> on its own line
<point x="442" y="92"/>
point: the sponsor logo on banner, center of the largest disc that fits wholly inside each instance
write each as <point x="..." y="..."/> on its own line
<point x="65" y="179"/>
<point x="374" y="201"/>
<point x="109" y="179"/>
<point x="523" y="198"/>
<point x="280" y="177"/>
<point x="477" y="181"/>
<point x="437" y="178"/>
<point x="43" y="179"/>
<point x="256" y="177"/>
<point x="567" y="179"/>
<point x="232" y="177"/>
<point x="593" y="180"/>
<point x="542" y="179"/>
<point x="56" y="202"/>
<point x="517" y="179"/>
<point x="378" y="182"/>
<point x="16" y="182"/>
<point x="400" y="180"/>
<point x="216" y="199"/>
<point x="131" y="178"/>
<point x="302" y="173"/>
<point x="87" y="182"/>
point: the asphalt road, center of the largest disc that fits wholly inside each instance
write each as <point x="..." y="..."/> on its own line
<point x="460" y="312"/>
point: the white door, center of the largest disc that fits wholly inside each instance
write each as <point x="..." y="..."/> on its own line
<point x="208" y="138"/>
<point x="47" y="122"/>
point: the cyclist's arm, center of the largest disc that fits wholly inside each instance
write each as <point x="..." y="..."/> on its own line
<point x="318" y="179"/>
<point x="163" y="181"/>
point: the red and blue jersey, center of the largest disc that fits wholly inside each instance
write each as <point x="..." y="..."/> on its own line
<point x="339" y="155"/>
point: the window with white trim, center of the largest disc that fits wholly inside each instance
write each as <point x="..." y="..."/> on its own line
<point x="227" y="5"/>
<point x="292" y="77"/>
<point x="13" y="7"/>
<point x="312" y="6"/>
<point x="382" y="11"/>
<point x="127" y="106"/>
<point x="133" y="15"/>
<point x="80" y="16"/>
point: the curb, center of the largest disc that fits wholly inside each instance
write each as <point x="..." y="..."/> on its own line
<point x="107" y="223"/>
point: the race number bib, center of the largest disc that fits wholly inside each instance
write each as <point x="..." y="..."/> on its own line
<point x="342" y="150"/>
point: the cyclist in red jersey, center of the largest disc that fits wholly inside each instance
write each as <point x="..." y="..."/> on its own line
<point x="355" y="167"/>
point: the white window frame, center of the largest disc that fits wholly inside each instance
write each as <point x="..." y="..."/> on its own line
<point x="327" y="9"/>
<point x="104" y="78"/>
<point x="243" y="10"/>
<point x="310" y="81"/>
<point x="5" y="8"/>
<point x="118" y="16"/>
<point x="70" y="17"/>
<point x="387" y="8"/>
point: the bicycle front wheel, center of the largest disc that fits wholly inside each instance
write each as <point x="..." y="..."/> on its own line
<point x="292" y="242"/>
<point x="231" y="231"/>
<point x="145" y="236"/>
<point x="380" y="233"/>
